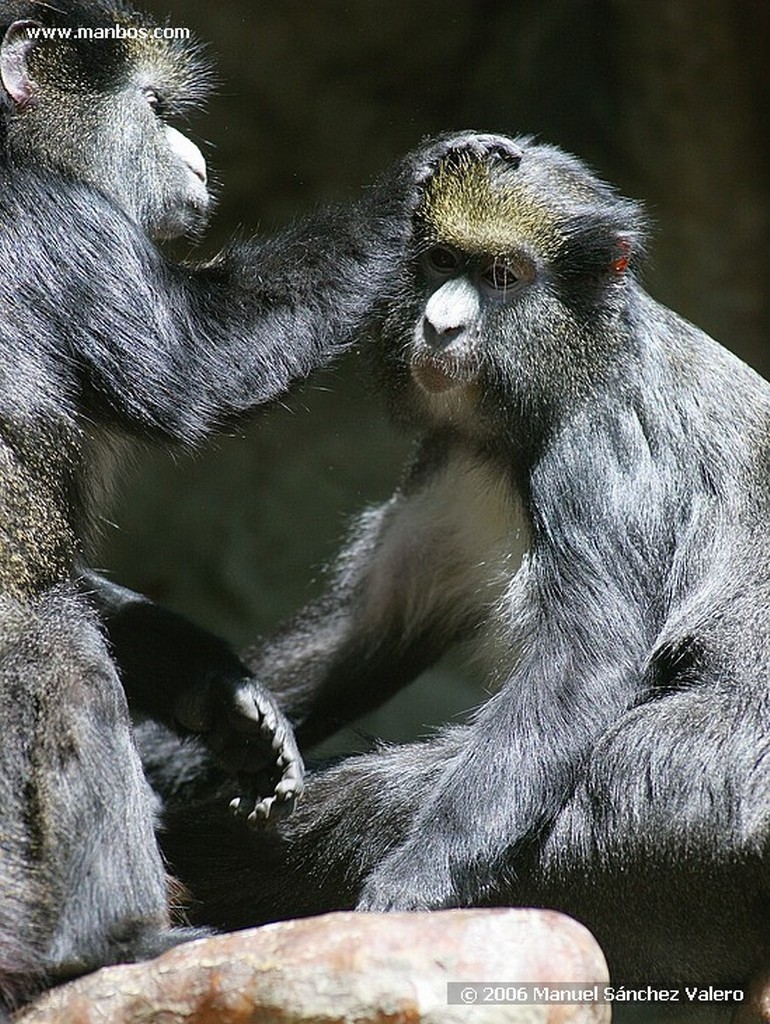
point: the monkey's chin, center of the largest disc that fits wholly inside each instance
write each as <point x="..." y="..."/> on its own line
<point x="436" y="378"/>
<point x="188" y="220"/>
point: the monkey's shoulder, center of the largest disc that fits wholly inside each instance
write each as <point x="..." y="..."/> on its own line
<point x="41" y="207"/>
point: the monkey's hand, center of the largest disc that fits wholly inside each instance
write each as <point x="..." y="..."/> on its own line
<point x="400" y="191"/>
<point x="190" y="679"/>
<point x="242" y="724"/>
<point x="476" y="145"/>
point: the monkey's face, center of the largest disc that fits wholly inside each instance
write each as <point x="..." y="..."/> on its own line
<point x="512" y="305"/>
<point x="449" y="347"/>
<point x="155" y="171"/>
<point x="474" y="271"/>
<point x="98" y="108"/>
<point x="447" y="334"/>
<point x="463" y="291"/>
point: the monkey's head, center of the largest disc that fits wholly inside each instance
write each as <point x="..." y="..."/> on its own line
<point x="512" y="303"/>
<point x="87" y="90"/>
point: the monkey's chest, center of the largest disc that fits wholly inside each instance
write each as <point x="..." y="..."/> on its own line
<point x="488" y="562"/>
<point x="452" y="549"/>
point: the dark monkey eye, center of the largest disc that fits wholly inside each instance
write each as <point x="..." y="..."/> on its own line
<point x="500" y="276"/>
<point x="154" y="101"/>
<point x="443" y="259"/>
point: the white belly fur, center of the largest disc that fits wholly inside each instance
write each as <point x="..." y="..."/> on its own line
<point x="449" y="552"/>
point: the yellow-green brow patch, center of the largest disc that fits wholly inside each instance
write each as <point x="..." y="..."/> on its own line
<point x="465" y="208"/>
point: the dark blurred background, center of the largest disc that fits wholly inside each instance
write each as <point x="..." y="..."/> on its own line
<point x="669" y="99"/>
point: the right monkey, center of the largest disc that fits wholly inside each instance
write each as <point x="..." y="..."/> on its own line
<point x="588" y="505"/>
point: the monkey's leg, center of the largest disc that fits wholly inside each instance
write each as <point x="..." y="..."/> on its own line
<point x="314" y="861"/>
<point x="77" y="814"/>
<point x="663" y="848"/>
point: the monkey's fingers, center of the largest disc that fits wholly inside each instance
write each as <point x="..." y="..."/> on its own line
<point x="477" y="145"/>
<point x="258" y="734"/>
<point x="262" y="811"/>
<point x="262" y="739"/>
<point x="484" y="144"/>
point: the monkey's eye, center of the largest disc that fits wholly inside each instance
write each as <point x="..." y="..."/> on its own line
<point x="442" y="259"/>
<point x="155" y="101"/>
<point x="500" y="276"/>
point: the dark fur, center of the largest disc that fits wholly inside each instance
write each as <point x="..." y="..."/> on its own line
<point x="102" y="338"/>
<point x="621" y="769"/>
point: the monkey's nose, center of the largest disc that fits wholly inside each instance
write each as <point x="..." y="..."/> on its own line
<point x="187" y="152"/>
<point x="451" y="312"/>
<point x="197" y="165"/>
<point x="440" y="337"/>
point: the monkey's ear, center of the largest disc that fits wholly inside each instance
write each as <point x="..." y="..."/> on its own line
<point x="14" y="71"/>
<point x="622" y="255"/>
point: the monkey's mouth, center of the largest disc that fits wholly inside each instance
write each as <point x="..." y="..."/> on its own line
<point x="438" y="373"/>
<point x="186" y="219"/>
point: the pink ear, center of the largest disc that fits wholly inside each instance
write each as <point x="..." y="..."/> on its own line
<point x="623" y="258"/>
<point x="13" y="63"/>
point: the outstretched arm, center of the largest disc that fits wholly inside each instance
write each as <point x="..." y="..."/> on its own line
<point x="404" y="590"/>
<point x="175" y="351"/>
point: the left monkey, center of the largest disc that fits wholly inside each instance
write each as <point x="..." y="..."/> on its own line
<point x="103" y="339"/>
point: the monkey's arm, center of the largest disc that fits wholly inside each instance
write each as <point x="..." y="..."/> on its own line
<point x="580" y="623"/>
<point x="506" y="778"/>
<point x="190" y="679"/>
<point x="404" y="590"/>
<point x="174" y="352"/>
<point x="353" y="648"/>
<point x="509" y="773"/>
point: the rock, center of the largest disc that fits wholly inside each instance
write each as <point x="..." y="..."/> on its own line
<point x="756" y="1008"/>
<point x="347" y="967"/>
